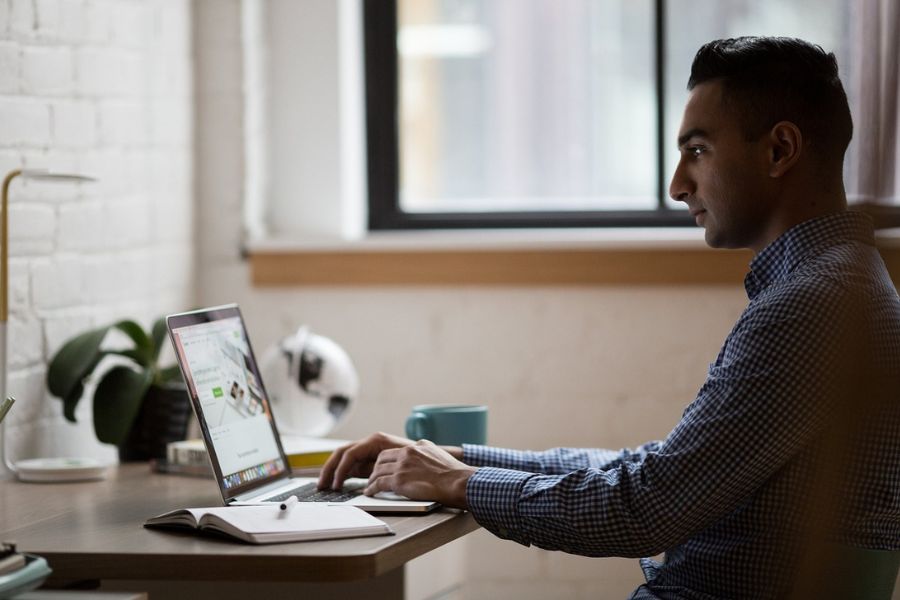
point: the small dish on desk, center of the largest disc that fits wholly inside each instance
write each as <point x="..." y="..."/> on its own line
<point x="26" y="578"/>
<point x="61" y="469"/>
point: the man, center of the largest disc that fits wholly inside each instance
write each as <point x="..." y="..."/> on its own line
<point x="793" y="441"/>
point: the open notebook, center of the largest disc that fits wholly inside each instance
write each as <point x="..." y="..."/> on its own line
<point x="269" y="524"/>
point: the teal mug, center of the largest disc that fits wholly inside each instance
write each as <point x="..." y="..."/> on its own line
<point x="448" y="424"/>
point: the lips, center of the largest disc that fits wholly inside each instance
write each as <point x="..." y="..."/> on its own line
<point x="698" y="214"/>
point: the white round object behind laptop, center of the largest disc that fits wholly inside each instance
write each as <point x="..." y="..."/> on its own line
<point x="312" y="383"/>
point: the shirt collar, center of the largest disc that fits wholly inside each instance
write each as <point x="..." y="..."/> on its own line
<point x="779" y="258"/>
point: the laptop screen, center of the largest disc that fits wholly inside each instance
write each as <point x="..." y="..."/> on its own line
<point x="229" y="398"/>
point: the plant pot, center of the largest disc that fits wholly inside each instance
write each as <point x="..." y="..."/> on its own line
<point x="163" y="418"/>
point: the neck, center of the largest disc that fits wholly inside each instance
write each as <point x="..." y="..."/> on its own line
<point x="798" y="206"/>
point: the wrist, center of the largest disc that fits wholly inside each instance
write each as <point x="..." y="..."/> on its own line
<point x="458" y="498"/>
<point x="454" y="451"/>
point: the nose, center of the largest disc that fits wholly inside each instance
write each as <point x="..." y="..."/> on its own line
<point x="682" y="186"/>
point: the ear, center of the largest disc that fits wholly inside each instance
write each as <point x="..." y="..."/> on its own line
<point x="785" y="145"/>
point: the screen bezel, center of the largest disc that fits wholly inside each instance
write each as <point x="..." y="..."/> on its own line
<point x="209" y="315"/>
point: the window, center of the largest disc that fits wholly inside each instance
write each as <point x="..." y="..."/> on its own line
<point x="534" y="113"/>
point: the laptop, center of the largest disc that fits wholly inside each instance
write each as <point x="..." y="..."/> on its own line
<point x="239" y="430"/>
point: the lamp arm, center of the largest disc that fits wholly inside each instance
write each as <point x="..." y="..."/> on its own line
<point x="4" y="276"/>
<point x="4" y="258"/>
<point x="4" y="304"/>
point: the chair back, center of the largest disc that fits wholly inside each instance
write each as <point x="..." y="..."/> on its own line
<point x="861" y="574"/>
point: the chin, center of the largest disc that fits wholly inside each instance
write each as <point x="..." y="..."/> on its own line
<point x="716" y="238"/>
<point x="712" y="240"/>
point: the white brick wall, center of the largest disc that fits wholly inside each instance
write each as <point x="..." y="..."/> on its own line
<point x="24" y="122"/>
<point x="101" y="87"/>
<point x="9" y="65"/>
<point x="47" y="71"/>
<point x="74" y="123"/>
<point x="32" y="228"/>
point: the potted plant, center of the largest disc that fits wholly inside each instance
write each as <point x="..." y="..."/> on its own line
<point x="138" y="405"/>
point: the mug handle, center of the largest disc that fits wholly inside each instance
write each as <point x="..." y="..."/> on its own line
<point x="417" y="426"/>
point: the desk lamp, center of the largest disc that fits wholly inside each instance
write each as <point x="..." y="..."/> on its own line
<point x="50" y="469"/>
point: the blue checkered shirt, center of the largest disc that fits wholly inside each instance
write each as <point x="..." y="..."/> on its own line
<point x="805" y="387"/>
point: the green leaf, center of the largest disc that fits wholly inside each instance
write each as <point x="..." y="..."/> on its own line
<point x="159" y="336"/>
<point x="172" y="373"/>
<point x="143" y="344"/>
<point x="70" y="402"/>
<point x="117" y="401"/>
<point x="73" y="362"/>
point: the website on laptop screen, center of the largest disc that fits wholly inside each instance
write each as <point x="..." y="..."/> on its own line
<point x="223" y="378"/>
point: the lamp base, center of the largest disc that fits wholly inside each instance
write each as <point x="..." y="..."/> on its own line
<point x="61" y="469"/>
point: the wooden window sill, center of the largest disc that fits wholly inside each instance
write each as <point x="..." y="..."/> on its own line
<point x="512" y="258"/>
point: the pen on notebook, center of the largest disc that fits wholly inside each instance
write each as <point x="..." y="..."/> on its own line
<point x="289" y="503"/>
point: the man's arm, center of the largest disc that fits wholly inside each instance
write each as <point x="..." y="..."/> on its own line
<point x="772" y="394"/>
<point x="358" y="458"/>
<point x="425" y="471"/>
<point x="553" y="461"/>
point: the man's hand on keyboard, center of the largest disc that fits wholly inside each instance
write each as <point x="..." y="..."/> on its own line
<point x="357" y="459"/>
<point x="421" y="471"/>
<point x="417" y="470"/>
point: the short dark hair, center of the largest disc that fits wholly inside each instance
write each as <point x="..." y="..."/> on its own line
<point x="772" y="79"/>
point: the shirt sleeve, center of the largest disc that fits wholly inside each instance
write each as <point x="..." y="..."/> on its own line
<point x="555" y="460"/>
<point x="767" y="395"/>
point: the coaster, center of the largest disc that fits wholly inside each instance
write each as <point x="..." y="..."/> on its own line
<point x="61" y="469"/>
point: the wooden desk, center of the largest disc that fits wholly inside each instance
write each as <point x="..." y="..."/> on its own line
<point x="92" y="531"/>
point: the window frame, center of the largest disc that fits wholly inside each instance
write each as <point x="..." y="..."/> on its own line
<point x="382" y="148"/>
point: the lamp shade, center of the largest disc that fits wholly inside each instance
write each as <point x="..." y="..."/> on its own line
<point x="46" y="175"/>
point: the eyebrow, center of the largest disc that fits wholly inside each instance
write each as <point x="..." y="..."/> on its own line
<point x="692" y="133"/>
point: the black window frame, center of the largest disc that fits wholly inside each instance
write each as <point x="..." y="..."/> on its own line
<point x="382" y="147"/>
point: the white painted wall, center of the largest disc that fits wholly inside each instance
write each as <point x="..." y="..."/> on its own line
<point x="100" y="87"/>
<point x="314" y="118"/>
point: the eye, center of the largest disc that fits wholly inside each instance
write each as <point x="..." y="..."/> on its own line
<point x="695" y="151"/>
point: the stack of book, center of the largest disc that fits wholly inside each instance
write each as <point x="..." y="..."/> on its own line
<point x="10" y="560"/>
<point x="306" y="455"/>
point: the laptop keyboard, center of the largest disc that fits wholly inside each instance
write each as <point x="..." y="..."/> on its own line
<point x="311" y="493"/>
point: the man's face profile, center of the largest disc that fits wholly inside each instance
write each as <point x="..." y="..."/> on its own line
<point x="721" y="176"/>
